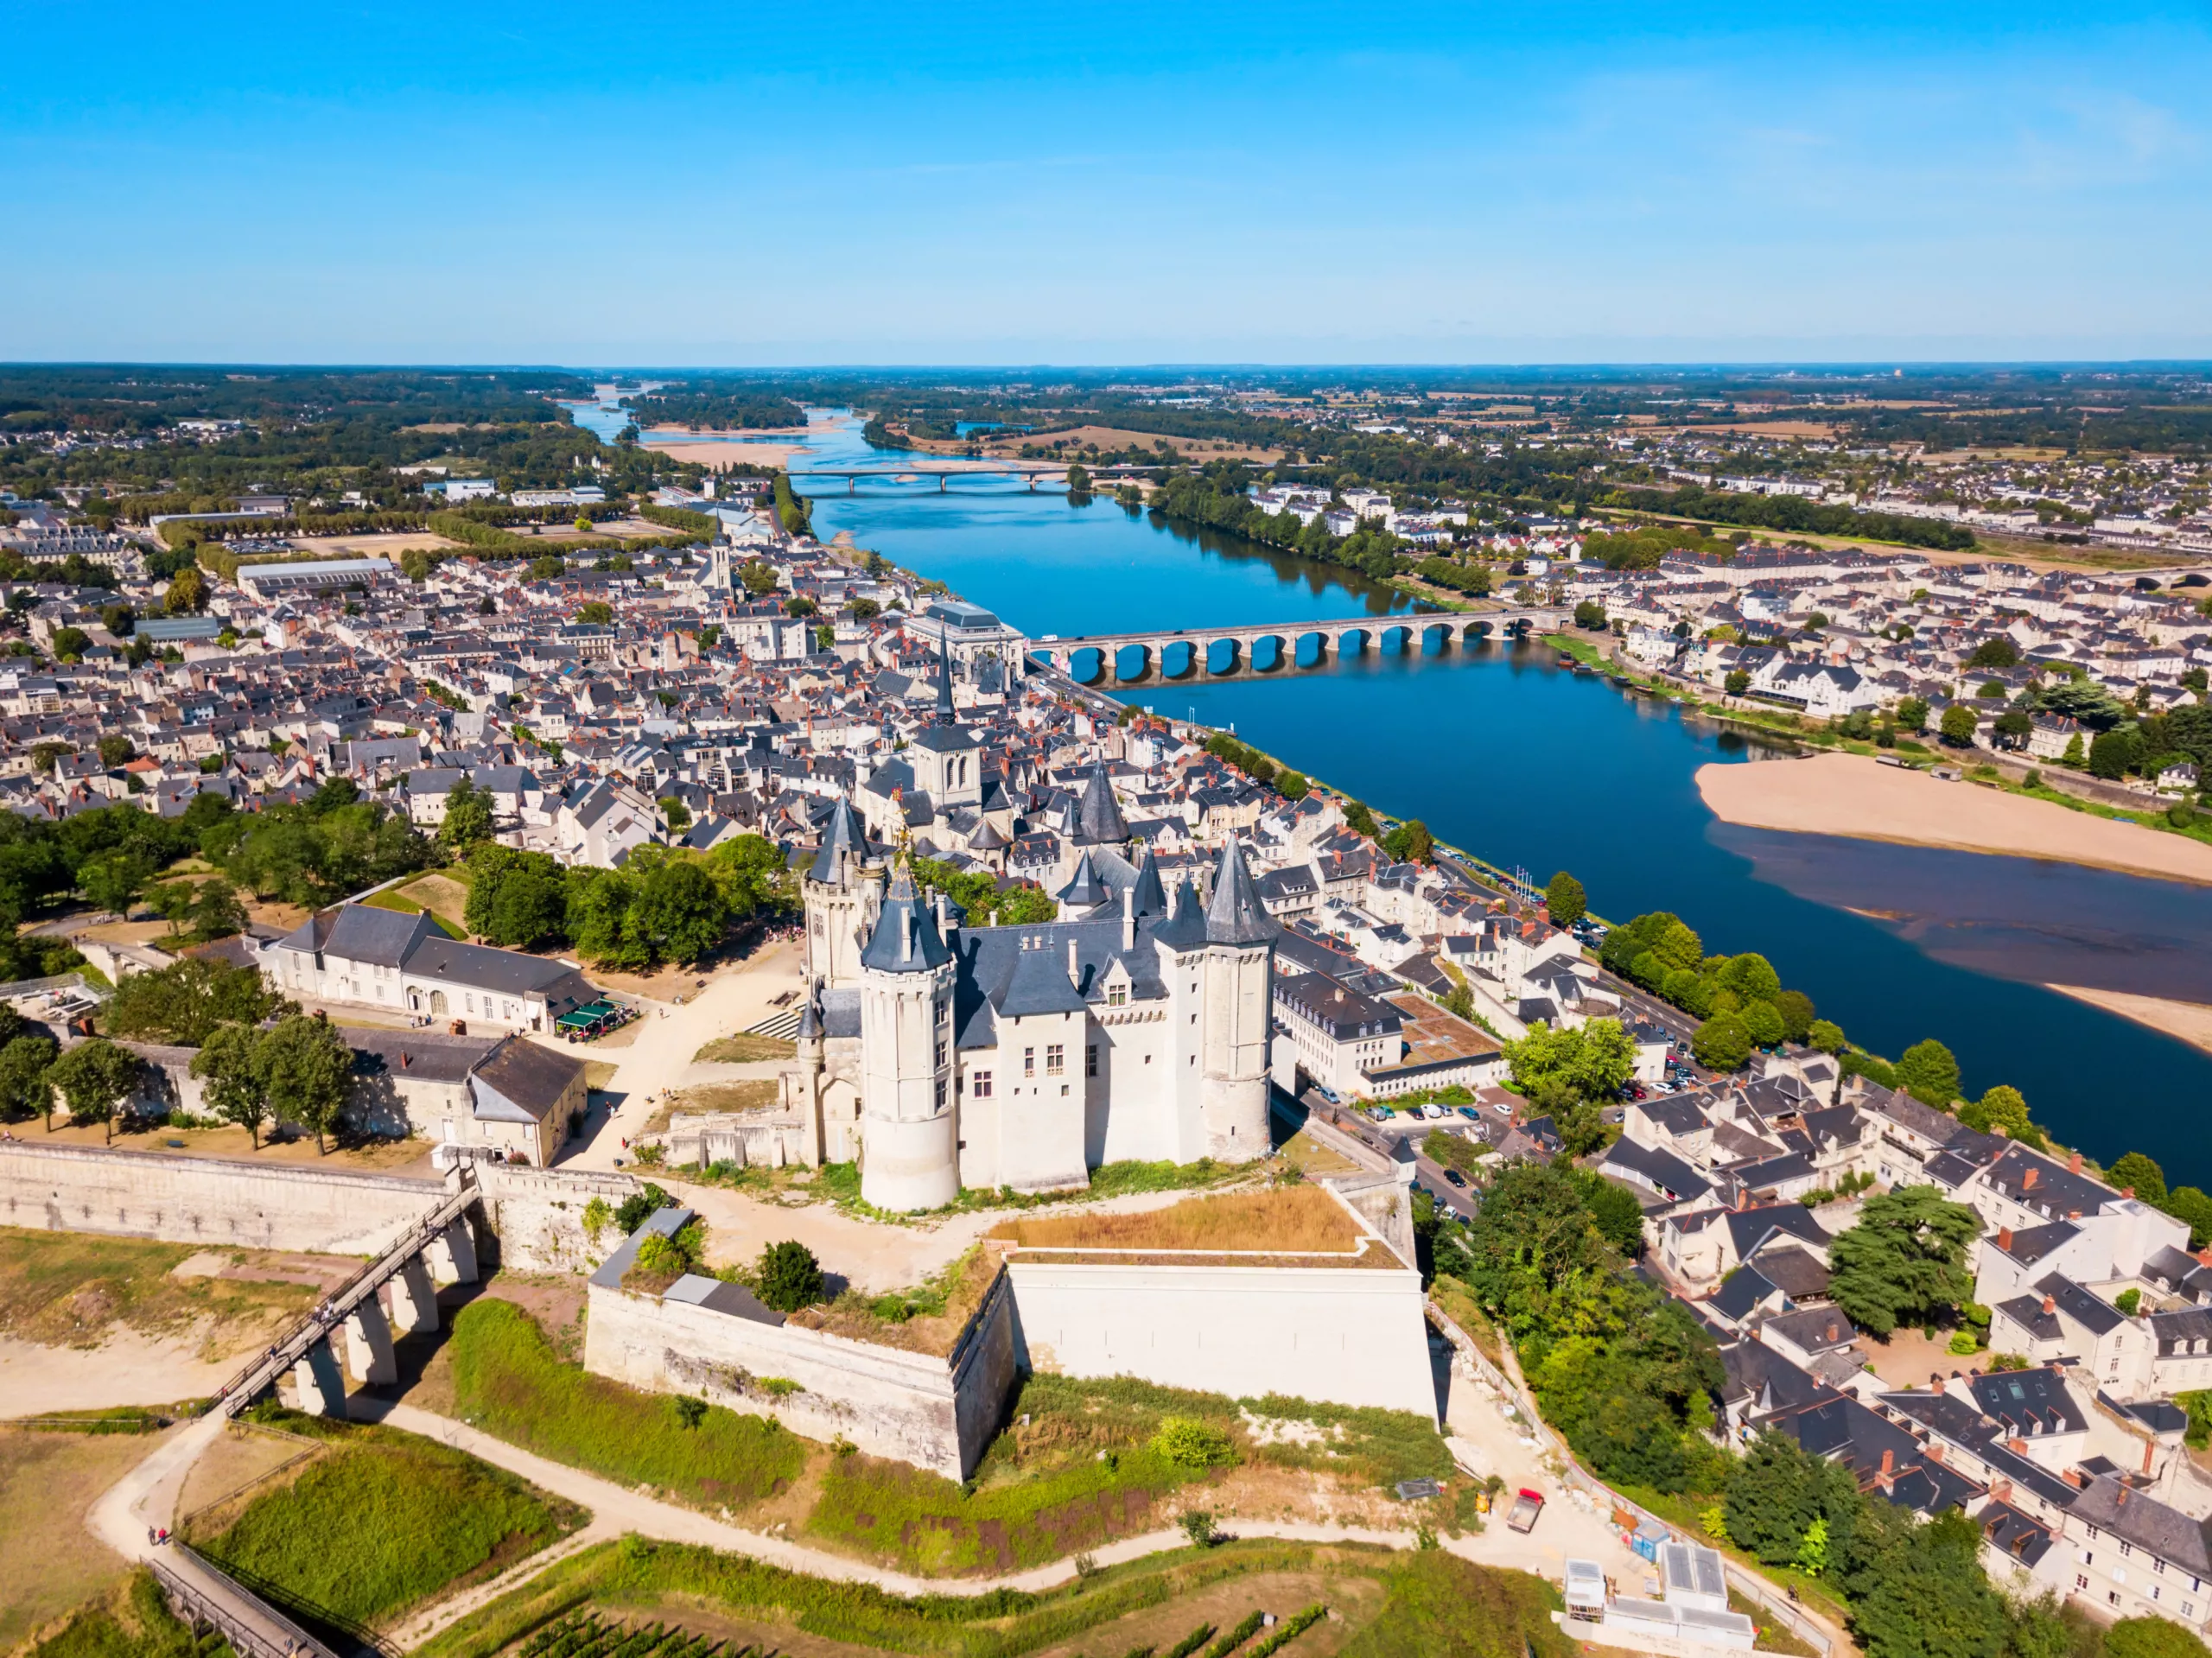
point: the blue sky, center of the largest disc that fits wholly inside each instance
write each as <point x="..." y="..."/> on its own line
<point x="664" y="184"/>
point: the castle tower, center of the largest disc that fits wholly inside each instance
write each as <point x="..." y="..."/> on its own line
<point x="803" y="1083"/>
<point x="1235" y="1013"/>
<point x="841" y="892"/>
<point x="909" y="1121"/>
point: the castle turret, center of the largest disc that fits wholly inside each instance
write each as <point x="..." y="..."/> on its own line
<point x="841" y="892"/>
<point x="909" y="1121"/>
<point x="1235" y="1013"/>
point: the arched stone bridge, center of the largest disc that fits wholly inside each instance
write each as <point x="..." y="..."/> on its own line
<point x="1194" y="653"/>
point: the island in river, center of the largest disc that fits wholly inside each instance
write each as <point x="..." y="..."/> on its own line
<point x="1850" y="795"/>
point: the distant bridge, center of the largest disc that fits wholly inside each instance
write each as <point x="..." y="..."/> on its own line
<point x="1196" y="653"/>
<point x="946" y="468"/>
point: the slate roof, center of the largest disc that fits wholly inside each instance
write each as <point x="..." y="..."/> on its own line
<point x="522" y="1081"/>
<point x="1234" y="915"/>
<point x="906" y="936"/>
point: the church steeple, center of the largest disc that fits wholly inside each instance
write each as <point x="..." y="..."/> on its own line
<point x="945" y="713"/>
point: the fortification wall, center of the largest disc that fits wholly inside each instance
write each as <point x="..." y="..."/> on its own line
<point x="537" y="1215"/>
<point x="206" y="1200"/>
<point x="936" y="1413"/>
<point x="1342" y="1335"/>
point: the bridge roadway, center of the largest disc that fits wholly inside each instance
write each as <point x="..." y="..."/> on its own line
<point x="1339" y="639"/>
<point x="944" y="468"/>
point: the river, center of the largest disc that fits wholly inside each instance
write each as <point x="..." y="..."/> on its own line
<point x="1524" y="764"/>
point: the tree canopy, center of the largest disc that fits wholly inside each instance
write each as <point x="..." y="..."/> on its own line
<point x="1904" y="1260"/>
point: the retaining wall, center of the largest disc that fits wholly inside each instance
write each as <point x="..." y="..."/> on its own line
<point x="1347" y="1336"/>
<point x="937" y="1413"/>
<point x="206" y="1199"/>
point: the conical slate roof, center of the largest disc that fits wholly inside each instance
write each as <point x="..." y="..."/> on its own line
<point x="1236" y="915"/>
<point x="844" y="836"/>
<point x="1098" y="819"/>
<point x="810" y="1015"/>
<point x="1086" y="891"/>
<point x="905" y="938"/>
<point x="943" y="688"/>
<point x="1147" y="897"/>
<point x="1185" y="928"/>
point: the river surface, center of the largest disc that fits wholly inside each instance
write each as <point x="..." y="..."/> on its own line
<point x="1504" y="752"/>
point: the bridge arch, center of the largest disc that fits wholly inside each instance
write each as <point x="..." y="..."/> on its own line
<point x="1180" y="658"/>
<point x="1086" y="664"/>
<point x="1222" y="656"/>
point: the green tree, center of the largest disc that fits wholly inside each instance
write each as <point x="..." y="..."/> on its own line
<point x="1722" y="1043"/>
<point x="307" y="1069"/>
<point x="1737" y="682"/>
<point x="1905" y="1260"/>
<point x="1591" y="1062"/>
<point x="230" y="1064"/>
<point x="96" y="1078"/>
<point x="1762" y="1020"/>
<point x="114" y="882"/>
<point x="2151" y="1637"/>
<point x="2002" y="1107"/>
<point x="1565" y="901"/>
<point x="1930" y="1072"/>
<point x="1357" y="818"/>
<point x="1796" y="1010"/>
<point x="788" y="1276"/>
<point x="2073" y="756"/>
<point x="758" y="577"/>
<point x="681" y="911"/>
<point x="548" y="567"/>
<point x="2141" y="1172"/>
<point x="215" y="910"/>
<point x="798" y="605"/>
<point x="1410" y="842"/>
<point x="1958" y="725"/>
<point x="181" y="1005"/>
<point x="1998" y="651"/>
<point x="1589" y="614"/>
<point x="115" y="749"/>
<point x="1912" y="714"/>
<point x="596" y="613"/>
<point x="1826" y="1035"/>
<point x="674" y="813"/>
<point x="468" y="814"/>
<point x="1293" y="786"/>
<point x="1078" y="479"/>
<point x="1025" y="906"/>
<point x="1751" y="976"/>
<point x="26" y="1088"/>
<point x="186" y="593"/>
<point x="2114" y="753"/>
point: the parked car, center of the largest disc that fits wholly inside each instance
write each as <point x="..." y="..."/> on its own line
<point x="1380" y="1113"/>
<point x="1456" y="1177"/>
<point x="1526" y="1507"/>
<point x="1432" y="1111"/>
<point x="1471" y="1114"/>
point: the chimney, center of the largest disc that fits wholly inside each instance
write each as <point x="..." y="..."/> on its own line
<point x="2204" y="1257"/>
<point x="2127" y="1191"/>
<point x="2004" y="1239"/>
<point x="1130" y="915"/>
<point x="2074" y="1164"/>
<point x="2017" y="1445"/>
<point x="2149" y="1445"/>
<point x="405" y="1059"/>
<point x="2050" y="1304"/>
<point x="2119" y="1498"/>
<point x="2002" y="1491"/>
<point x="1889" y="1463"/>
<point x="1075" y="973"/>
<point x="2028" y="1180"/>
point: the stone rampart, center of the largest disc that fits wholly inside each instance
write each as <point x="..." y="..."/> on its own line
<point x="214" y="1201"/>
<point x="537" y="1215"/>
<point x="937" y="1413"/>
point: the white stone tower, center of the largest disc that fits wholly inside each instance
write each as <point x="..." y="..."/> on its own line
<point x="843" y="891"/>
<point x="1236" y="1016"/>
<point x="910" y="1138"/>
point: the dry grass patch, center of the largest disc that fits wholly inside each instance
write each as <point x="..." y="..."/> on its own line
<point x="65" y="1289"/>
<point x="1288" y="1220"/>
<point x="755" y="1094"/>
<point x="745" y="1048"/>
<point x="927" y="1318"/>
<point x="47" y="1482"/>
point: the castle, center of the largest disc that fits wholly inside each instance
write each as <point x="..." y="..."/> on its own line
<point x="944" y="1056"/>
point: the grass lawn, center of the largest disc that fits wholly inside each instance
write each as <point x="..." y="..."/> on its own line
<point x="1083" y="1468"/>
<point x="131" y="1621"/>
<point x="393" y="898"/>
<point x="47" y="1482"/>
<point x="66" y="1288"/>
<point x="745" y="1049"/>
<point x="1383" y="1605"/>
<point x="384" y="1522"/>
<point x="1292" y="1220"/>
<point x="508" y="1380"/>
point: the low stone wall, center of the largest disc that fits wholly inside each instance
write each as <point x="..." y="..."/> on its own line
<point x="537" y="1215"/>
<point x="206" y="1200"/>
<point x="937" y="1412"/>
<point x="1342" y="1335"/>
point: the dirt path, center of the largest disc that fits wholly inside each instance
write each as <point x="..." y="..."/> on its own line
<point x="125" y="1369"/>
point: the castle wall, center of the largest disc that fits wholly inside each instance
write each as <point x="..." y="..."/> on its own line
<point x="1344" y="1336"/>
<point x="536" y="1214"/>
<point x="937" y="1413"/>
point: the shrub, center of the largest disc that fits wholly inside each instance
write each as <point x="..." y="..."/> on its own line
<point x="1193" y="1444"/>
<point x="788" y="1277"/>
<point x="641" y="1206"/>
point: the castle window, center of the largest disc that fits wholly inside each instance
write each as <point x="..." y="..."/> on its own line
<point x="940" y="1050"/>
<point x="1091" y="1060"/>
<point x="1029" y="1062"/>
<point x="1117" y="995"/>
<point x="979" y="1085"/>
<point x="1055" y="1060"/>
<point x="940" y="1093"/>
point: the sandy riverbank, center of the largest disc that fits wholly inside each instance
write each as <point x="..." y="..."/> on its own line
<point x="2192" y="1021"/>
<point x="710" y="450"/>
<point x="1849" y="794"/>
